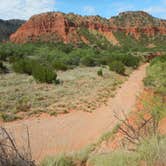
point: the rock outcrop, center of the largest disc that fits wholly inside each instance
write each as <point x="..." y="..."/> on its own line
<point x="138" y="24"/>
<point x="56" y="26"/>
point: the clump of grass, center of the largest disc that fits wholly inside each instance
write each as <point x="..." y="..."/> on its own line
<point x="117" y="158"/>
<point x="82" y="156"/>
<point x="150" y="151"/>
<point x="3" y="68"/>
<point x="100" y="72"/>
<point x="23" y="105"/>
<point x="61" y="160"/>
<point x="153" y="151"/>
<point x="117" y="66"/>
<point x="53" y="113"/>
<point x="108" y="135"/>
<point x="8" y="117"/>
<point x="156" y="75"/>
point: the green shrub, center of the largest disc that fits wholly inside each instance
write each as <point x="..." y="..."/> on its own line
<point x="88" y="61"/>
<point x="127" y="60"/>
<point x="158" y="59"/>
<point x="58" y="161"/>
<point x="130" y="61"/>
<point x="57" y="81"/>
<point x="67" y="48"/>
<point x="156" y="108"/>
<point x="44" y="74"/>
<point x="117" y="66"/>
<point x="8" y="50"/>
<point x="18" y="66"/>
<point x="24" y="66"/>
<point x="153" y="151"/>
<point x="5" y="51"/>
<point x="156" y="75"/>
<point x="58" y="65"/>
<point x="73" y="59"/>
<point x="3" y="68"/>
<point x="117" y="158"/>
<point x="81" y="55"/>
<point x="40" y="72"/>
<point x="100" y="72"/>
<point x="6" y="117"/>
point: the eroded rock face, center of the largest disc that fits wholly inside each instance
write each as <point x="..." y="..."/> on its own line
<point x="51" y="25"/>
<point x="56" y="26"/>
<point x="138" y="24"/>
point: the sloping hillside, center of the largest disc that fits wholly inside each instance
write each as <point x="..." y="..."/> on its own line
<point x="8" y="27"/>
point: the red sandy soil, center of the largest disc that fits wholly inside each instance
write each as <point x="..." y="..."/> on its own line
<point x="73" y="131"/>
<point x="162" y="126"/>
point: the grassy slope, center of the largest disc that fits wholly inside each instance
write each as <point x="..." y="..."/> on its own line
<point x="156" y="75"/>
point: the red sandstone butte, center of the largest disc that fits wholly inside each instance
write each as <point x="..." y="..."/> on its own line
<point x="56" y="26"/>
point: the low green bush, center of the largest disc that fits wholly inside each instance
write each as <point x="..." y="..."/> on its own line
<point x="3" y="68"/>
<point x="58" y="161"/>
<point x="100" y="72"/>
<point x="126" y="59"/>
<point x="44" y="74"/>
<point x="8" y="50"/>
<point x="8" y="117"/>
<point x="117" y="66"/>
<point x="156" y="75"/>
<point x="117" y="158"/>
<point x="58" y="65"/>
<point x="88" y="61"/>
<point x="153" y="151"/>
<point x="40" y="72"/>
<point x="24" y="66"/>
<point x="130" y="61"/>
<point x="158" y="59"/>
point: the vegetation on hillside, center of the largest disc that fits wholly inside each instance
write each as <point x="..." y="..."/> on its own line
<point x="132" y="19"/>
<point x="8" y="27"/>
<point x="128" y="42"/>
<point x="156" y="75"/>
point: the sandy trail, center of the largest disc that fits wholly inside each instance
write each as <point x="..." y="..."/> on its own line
<point x="73" y="131"/>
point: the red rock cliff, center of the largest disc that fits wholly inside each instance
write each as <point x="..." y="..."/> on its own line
<point x="55" y="26"/>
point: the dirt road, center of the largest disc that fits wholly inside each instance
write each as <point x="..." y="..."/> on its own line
<point x="75" y="130"/>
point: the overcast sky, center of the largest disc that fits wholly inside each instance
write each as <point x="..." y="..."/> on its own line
<point x="23" y="9"/>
